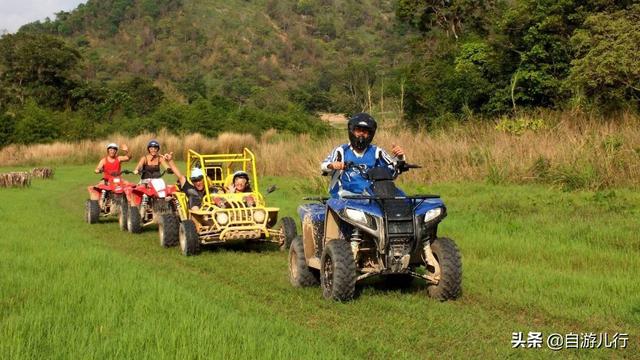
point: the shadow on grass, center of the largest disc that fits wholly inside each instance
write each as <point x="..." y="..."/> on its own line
<point x="243" y="246"/>
<point x="385" y="285"/>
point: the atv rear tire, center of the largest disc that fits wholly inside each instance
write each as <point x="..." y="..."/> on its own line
<point x="189" y="240"/>
<point x="288" y="232"/>
<point x="123" y="215"/>
<point x="92" y="211"/>
<point x="448" y="256"/>
<point x="300" y="275"/>
<point x="168" y="228"/>
<point x="134" y="221"/>
<point x="338" y="271"/>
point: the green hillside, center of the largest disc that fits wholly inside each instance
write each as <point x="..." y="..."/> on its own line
<point x="238" y="49"/>
<point x="189" y="66"/>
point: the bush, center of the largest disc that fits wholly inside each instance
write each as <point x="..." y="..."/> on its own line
<point x="35" y="125"/>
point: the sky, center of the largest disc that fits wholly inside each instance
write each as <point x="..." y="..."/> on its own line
<point x="15" y="13"/>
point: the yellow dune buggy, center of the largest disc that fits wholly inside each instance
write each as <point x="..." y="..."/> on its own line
<point x="226" y="216"/>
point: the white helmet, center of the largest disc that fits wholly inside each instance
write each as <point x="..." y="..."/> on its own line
<point x="112" y="146"/>
<point x="196" y="174"/>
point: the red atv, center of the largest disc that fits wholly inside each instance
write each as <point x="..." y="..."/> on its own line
<point x="111" y="198"/>
<point x="151" y="202"/>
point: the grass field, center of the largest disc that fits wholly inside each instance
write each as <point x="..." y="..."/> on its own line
<point x="535" y="259"/>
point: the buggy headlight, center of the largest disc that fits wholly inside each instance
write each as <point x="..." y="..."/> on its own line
<point x="222" y="218"/>
<point x="259" y="215"/>
<point x="432" y="214"/>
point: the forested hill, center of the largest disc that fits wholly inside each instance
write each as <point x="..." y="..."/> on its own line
<point x="212" y="65"/>
<point x="236" y="48"/>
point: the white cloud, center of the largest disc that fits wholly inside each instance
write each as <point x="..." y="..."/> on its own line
<point x="15" y="13"/>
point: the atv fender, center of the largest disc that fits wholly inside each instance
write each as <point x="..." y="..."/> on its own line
<point x="331" y="227"/>
<point x="133" y="196"/>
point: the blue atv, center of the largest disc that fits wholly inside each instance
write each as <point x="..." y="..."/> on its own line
<point x="381" y="232"/>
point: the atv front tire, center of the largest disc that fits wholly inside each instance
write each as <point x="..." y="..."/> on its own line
<point x="338" y="271"/>
<point x="123" y="215"/>
<point x="300" y="275"/>
<point x="134" y="221"/>
<point x="288" y="232"/>
<point x="92" y="211"/>
<point x="189" y="241"/>
<point x="168" y="228"/>
<point x="448" y="256"/>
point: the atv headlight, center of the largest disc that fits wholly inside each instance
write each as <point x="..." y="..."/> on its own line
<point x="432" y="214"/>
<point x="222" y="218"/>
<point x="259" y="215"/>
<point x="360" y="217"/>
<point x="356" y="215"/>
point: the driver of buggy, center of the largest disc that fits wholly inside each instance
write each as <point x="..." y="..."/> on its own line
<point x="194" y="188"/>
<point x="362" y="128"/>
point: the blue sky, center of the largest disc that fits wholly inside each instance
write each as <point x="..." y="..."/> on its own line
<point x="15" y="13"/>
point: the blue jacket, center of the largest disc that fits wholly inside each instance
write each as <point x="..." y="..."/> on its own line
<point x="350" y="180"/>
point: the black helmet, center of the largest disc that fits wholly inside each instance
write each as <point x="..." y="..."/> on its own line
<point x="365" y="121"/>
<point x="153" y="143"/>
<point x="240" y="174"/>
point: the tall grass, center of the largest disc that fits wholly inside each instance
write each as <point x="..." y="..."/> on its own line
<point x="568" y="151"/>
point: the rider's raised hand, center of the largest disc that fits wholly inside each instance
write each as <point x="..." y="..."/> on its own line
<point x="397" y="150"/>
<point x="124" y="148"/>
<point x="336" y="165"/>
<point x="168" y="156"/>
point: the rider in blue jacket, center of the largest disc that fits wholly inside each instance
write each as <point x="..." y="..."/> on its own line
<point x="362" y="128"/>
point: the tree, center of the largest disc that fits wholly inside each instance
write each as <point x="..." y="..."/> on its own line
<point x="39" y="66"/>
<point x="606" y="68"/>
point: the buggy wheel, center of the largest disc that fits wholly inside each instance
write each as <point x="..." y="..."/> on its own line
<point x="123" y="214"/>
<point x="338" y="271"/>
<point x="300" y="275"/>
<point x="168" y="228"/>
<point x="288" y="232"/>
<point x="91" y="211"/>
<point x="134" y="222"/>
<point x="448" y="257"/>
<point x="189" y="240"/>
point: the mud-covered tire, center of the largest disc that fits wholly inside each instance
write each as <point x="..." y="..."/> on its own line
<point x="161" y="207"/>
<point x="338" y="271"/>
<point x="134" y="221"/>
<point x="189" y="241"/>
<point x="288" y="232"/>
<point x="123" y="215"/>
<point x="91" y="211"/>
<point x="448" y="256"/>
<point x="300" y="275"/>
<point x="168" y="228"/>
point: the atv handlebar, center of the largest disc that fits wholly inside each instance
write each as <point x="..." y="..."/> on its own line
<point x="401" y="166"/>
<point x="115" y="173"/>
<point x="165" y="171"/>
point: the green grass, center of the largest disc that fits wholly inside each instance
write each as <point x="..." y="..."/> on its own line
<point x="535" y="259"/>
